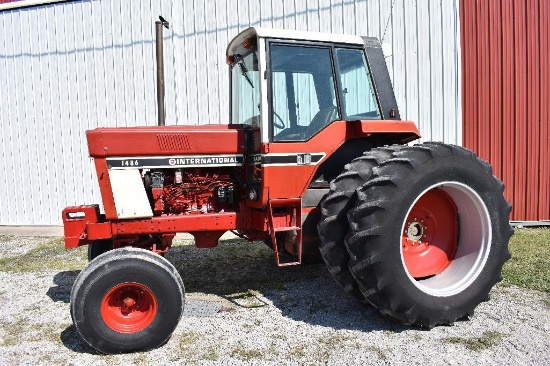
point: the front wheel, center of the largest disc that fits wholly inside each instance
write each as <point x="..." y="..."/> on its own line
<point x="98" y="247"/>
<point x="429" y="234"/>
<point x="127" y="300"/>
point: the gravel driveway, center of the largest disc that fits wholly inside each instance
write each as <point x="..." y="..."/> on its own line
<point x="242" y="309"/>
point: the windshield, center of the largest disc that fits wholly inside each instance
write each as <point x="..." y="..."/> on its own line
<point x="245" y="91"/>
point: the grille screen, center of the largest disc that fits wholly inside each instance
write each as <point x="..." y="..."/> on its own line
<point x="173" y="141"/>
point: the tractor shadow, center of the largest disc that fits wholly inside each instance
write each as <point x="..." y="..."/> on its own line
<point x="63" y="283"/>
<point x="61" y="292"/>
<point x="238" y="268"/>
<point x="72" y="340"/>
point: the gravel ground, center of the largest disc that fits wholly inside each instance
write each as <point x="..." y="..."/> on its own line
<point x="242" y="309"/>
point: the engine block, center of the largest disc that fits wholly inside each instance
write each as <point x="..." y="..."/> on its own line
<point x="175" y="192"/>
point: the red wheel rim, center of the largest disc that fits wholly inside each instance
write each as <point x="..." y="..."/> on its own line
<point x="129" y="307"/>
<point x="429" y="236"/>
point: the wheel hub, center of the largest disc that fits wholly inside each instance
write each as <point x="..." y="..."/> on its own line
<point x="129" y="302"/>
<point x="415" y="231"/>
<point x="129" y="307"/>
<point x="429" y="240"/>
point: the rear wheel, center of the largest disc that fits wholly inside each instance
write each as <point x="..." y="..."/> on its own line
<point x="127" y="300"/>
<point x="429" y="234"/>
<point x="333" y="225"/>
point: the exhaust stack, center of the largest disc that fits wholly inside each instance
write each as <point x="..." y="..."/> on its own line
<point x="161" y="107"/>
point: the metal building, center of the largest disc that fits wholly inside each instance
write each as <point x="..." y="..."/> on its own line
<point x="506" y="97"/>
<point x="70" y="66"/>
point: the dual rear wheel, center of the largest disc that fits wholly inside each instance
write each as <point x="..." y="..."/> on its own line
<point x="423" y="234"/>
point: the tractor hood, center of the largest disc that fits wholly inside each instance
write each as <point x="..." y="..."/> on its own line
<point x="166" y="140"/>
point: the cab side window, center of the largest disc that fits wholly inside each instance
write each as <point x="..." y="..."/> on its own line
<point x="359" y="101"/>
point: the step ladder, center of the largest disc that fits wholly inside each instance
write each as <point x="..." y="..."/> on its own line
<point x="285" y="227"/>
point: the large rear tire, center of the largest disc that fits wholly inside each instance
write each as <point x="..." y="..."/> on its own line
<point x="127" y="300"/>
<point x="333" y="225"/>
<point x="429" y="234"/>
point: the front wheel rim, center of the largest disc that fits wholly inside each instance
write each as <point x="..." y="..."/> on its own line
<point x="129" y="307"/>
<point x="459" y="250"/>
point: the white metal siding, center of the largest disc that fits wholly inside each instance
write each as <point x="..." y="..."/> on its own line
<point x="68" y="67"/>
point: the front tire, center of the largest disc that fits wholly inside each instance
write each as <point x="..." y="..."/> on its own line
<point x="127" y="300"/>
<point x="98" y="247"/>
<point x="429" y="234"/>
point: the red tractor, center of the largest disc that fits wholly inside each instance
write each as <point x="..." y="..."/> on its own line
<point x="313" y="160"/>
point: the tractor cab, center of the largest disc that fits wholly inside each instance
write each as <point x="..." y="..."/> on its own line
<point x="315" y="101"/>
<point x="309" y="103"/>
<point x="293" y="84"/>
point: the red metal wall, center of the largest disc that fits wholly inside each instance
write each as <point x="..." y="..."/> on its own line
<point x="506" y="96"/>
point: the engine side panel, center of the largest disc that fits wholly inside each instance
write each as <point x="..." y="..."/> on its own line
<point x="129" y="194"/>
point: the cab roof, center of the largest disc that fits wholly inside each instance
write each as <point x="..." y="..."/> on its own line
<point x="290" y="34"/>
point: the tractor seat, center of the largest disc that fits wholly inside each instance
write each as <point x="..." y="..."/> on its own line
<point x="321" y="119"/>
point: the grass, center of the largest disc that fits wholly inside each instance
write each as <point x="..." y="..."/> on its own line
<point x="48" y="256"/>
<point x="210" y="354"/>
<point x="246" y="354"/>
<point x="188" y="339"/>
<point x="298" y="351"/>
<point x="29" y="331"/>
<point x="487" y="340"/>
<point x="334" y="341"/>
<point x="6" y="238"/>
<point x="379" y="352"/>
<point x="529" y="266"/>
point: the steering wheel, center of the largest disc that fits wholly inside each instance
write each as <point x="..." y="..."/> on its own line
<point x="276" y="124"/>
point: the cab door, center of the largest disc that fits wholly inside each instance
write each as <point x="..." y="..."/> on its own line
<point x="303" y="100"/>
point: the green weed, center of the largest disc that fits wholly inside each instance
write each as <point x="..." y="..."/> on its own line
<point x="487" y="340"/>
<point x="246" y="354"/>
<point x="48" y="256"/>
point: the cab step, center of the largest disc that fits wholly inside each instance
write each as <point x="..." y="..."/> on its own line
<point x="285" y="216"/>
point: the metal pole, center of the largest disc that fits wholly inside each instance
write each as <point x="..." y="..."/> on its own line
<point x="160" y="71"/>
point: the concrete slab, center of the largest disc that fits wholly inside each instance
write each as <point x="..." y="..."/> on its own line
<point x="32" y="230"/>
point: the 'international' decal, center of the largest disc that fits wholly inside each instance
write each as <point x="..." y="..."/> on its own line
<point x="175" y="161"/>
<point x="159" y="162"/>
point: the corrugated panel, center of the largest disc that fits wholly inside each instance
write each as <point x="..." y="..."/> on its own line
<point x="68" y="67"/>
<point x="506" y="80"/>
